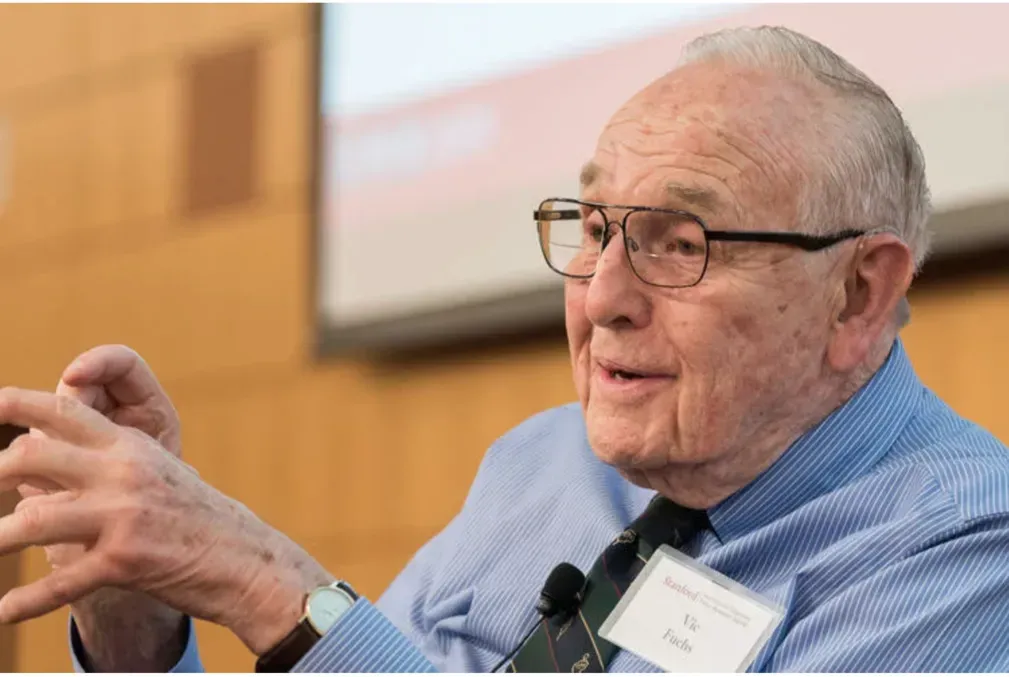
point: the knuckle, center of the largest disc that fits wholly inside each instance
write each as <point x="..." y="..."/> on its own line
<point x="23" y="449"/>
<point x="134" y="435"/>
<point x="125" y="349"/>
<point x="29" y="515"/>
<point x="130" y="473"/>
<point x="135" y="515"/>
<point x="67" y="405"/>
<point x="125" y="355"/>
<point x="58" y="588"/>
<point x="159" y="419"/>
<point x="119" y="559"/>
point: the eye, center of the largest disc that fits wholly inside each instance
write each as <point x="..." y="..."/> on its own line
<point x="596" y="233"/>
<point x="683" y="247"/>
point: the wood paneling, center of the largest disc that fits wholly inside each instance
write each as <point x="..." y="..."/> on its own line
<point x="957" y="340"/>
<point x="46" y="174"/>
<point x="359" y="462"/>
<point x="39" y="45"/>
<point x="221" y="128"/>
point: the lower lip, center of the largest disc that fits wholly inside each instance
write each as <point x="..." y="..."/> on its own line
<point x="632" y="387"/>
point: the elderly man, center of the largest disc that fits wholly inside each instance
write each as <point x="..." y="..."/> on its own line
<point x="736" y="269"/>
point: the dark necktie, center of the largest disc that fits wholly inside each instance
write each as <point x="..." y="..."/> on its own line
<point x="572" y="643"/>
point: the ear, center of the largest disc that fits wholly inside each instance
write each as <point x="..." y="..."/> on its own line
<point x="878" y="278"/>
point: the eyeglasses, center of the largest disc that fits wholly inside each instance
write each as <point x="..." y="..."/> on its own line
<point x="665" y="247"/>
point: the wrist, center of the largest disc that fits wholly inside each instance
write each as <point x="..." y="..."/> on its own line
<point x="275" y="609"/>
<point x="119" y="631"/>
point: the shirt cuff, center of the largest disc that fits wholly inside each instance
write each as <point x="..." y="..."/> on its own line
<point x="188" y="663"/>
<point x="363" y="640"/>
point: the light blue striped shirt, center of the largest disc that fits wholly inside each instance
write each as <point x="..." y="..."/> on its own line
<point x="883" y="532"/>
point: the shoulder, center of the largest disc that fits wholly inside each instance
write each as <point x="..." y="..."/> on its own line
<point x="546" y="450"/>
<point x="957" y="462"/>
<point x="565" y="421"/>
<point x="541" y="483"/>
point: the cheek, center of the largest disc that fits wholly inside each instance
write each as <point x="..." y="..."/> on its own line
<point x="702" y="332"/>
<point x="579" y="332"/>
<point x="722" y="344"/>
<point x="770" y="347"/>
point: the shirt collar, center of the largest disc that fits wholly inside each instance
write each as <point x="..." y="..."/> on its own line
<point x="843" y="446"/>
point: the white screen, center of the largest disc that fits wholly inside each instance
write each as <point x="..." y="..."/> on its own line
<point x="445" y="125"/>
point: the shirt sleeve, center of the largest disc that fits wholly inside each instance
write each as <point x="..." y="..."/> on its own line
<point x="944" y="608"/>
<point x="189" y="663"/>
<point x="364" y="640"/>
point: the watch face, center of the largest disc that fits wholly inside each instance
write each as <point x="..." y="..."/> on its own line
<point x="325" y="606"/>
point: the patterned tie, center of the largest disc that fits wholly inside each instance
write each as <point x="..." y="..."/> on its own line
<point x="572" y="643"/>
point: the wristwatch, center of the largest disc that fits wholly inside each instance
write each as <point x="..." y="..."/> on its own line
<point x="323" y="608"/>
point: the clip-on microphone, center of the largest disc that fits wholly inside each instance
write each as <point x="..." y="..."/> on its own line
<point x="562" y="593"/>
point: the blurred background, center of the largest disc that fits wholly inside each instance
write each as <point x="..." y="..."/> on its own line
<point x="314" y="223"/>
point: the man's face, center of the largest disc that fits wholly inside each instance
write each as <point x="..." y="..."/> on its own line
<point x="733" y="361"/>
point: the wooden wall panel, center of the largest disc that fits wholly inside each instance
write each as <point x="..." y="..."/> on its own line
<point x="288" y="91"/>
<point x="210" y="23"/>
<point x="177" y="291"/>
<point x="360" y="462"/>
<point x="115" y="39"/>
<point x="46" y="174"/>
<point x="957" y="339"/>
<point x="134" y="145"/>
<point x="38" y="45"/>
<point x="222" y="128"/>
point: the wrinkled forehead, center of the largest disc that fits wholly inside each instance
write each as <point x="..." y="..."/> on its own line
<point x="707" y="139"/>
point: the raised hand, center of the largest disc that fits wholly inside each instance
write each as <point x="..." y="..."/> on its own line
<point x="142" y="521"/>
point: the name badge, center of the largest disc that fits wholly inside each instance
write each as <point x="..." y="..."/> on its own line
<point x="685" y="617"/>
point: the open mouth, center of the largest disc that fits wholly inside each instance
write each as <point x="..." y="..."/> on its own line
<point x="621" y="375"/>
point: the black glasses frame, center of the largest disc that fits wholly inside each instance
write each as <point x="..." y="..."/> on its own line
<point x="809" y="243"/>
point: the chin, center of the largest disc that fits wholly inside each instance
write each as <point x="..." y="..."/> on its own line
<point x="622" y="444"/>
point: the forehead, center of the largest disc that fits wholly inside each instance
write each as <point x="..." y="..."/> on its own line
<point x="672" y="192"/>
<point x="708" y="137"/>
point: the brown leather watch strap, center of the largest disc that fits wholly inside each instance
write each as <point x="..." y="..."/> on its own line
<point x="290" y="650"/>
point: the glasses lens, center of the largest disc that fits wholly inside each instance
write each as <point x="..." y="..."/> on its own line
<point x="571" y="236"/>
<point x="667" y="249"/>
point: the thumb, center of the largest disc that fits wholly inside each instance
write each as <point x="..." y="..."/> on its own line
<point x="40" y="488"/>
<point x="93" y="396"/>
<point x="120" y="370"/>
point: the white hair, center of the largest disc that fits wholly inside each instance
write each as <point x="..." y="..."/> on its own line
<point x="869" y="171"/>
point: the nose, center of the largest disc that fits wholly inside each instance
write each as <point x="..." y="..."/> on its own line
<point x="616" y="298"/>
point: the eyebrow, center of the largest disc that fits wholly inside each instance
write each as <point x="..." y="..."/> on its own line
<point x="589" y="174"/>
<point x="677" y="193"/>
<point x="693" y="196"/>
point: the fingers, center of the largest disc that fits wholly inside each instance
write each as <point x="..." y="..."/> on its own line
<point x="56" y="416"/>
<point x="40" y="497"/>
<point x="95" y="397"/>
<point x="45" y="462"/>
<point x="63" y="586"/>
<point x="47" y="520"/>
<point x="118" y="369"/>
